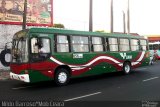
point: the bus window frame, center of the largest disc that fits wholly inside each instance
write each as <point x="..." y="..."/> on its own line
<point x="107" y="44"/>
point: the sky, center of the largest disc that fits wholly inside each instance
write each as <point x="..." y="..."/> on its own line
<point x="74" y="14"/>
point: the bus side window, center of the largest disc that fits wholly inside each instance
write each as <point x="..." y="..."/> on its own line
<point x="34" y="47"/>
<point x="80" y="44"/>
<point x="134" y="44"/>
<point x="97" y="44"/>
<point x="155" y="47"/>
<point x="143" y="45"/>
<point x="124" y="44"/>
<point x="62" y="43"/>
<point x="113" y="44"/>
<point x="45" y="46"/>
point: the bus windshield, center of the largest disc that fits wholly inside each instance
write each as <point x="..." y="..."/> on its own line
<point x="20" y="48"/>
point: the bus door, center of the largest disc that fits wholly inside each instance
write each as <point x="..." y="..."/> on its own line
<point x="40" y="52"/>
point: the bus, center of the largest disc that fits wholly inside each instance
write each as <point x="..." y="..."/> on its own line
<point x="154" y="48"/>
<point x="44" y="54"/>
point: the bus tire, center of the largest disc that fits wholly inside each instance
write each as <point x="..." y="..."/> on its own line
<point x="126" y="68"/>
<point x="62" y="77"/>
<point x="3" y="60"/>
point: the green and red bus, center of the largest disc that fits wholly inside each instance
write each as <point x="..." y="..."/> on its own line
<point x="42" y="54"/>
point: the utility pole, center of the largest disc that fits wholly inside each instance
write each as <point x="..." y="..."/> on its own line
<point x="128" y="19"/>
<point x="124" y="22"/>
<point x="111" y="17"/>
<point x="24" y="15"/>
<point x="90" y="15"/>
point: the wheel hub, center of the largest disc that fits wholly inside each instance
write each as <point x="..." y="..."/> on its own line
<point x="62" y="77"/>
<point x="127" y="68"/>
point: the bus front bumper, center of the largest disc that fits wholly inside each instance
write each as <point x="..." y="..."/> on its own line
<point x="21" y="77"/>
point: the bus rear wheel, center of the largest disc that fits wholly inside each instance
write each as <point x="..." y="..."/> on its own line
<point x="62" y="77"/>
<point x="126" y="68"/>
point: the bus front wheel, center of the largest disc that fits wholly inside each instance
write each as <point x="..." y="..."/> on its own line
<point x="126" y="68"/>
<point x="62" y="77"/>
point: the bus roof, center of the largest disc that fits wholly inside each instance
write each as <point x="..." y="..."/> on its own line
<point x="154" y="43"/>
<point x="75" y="32"/>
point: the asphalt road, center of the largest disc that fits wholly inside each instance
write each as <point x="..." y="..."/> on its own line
<point x="143" y="84"/>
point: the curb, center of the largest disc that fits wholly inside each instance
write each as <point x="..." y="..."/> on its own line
<point x="4" y="78"/>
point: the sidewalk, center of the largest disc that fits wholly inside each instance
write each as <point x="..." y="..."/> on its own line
<point x="4" y="74"/>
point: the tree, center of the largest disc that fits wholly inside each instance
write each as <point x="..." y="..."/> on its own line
<point x="58" y="25"/>
<point x="101" y="31"/>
